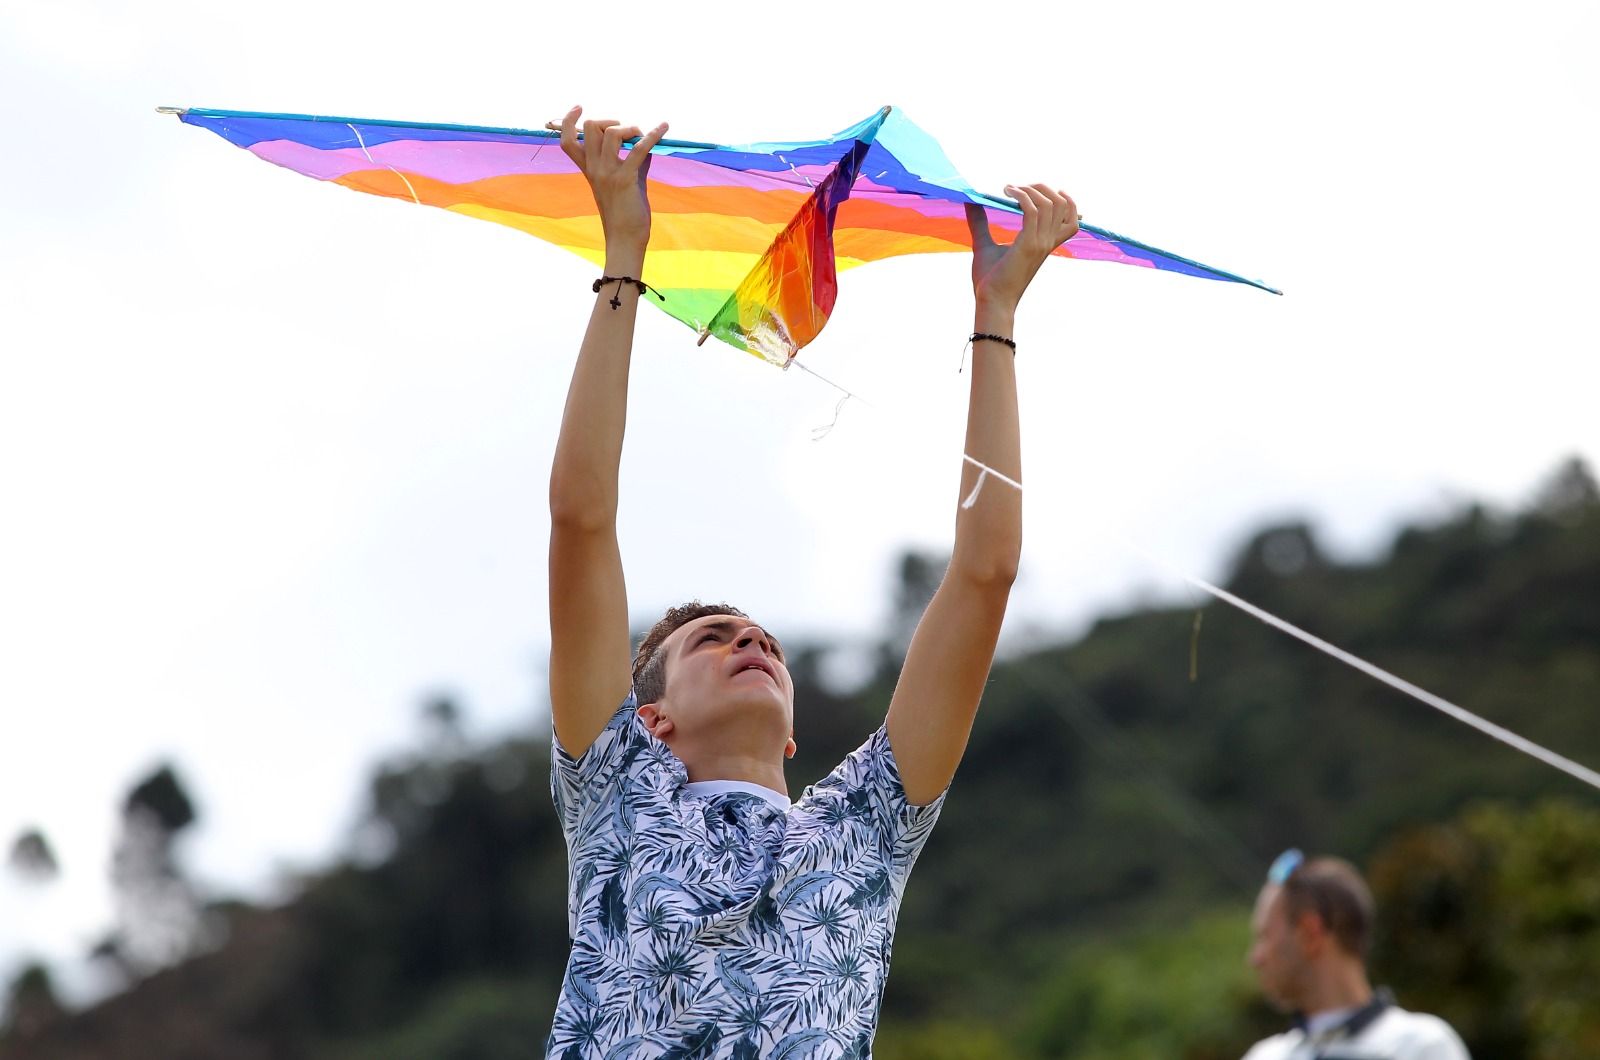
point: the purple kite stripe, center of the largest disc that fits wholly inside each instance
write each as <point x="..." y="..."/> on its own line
<point x="1085" y="247"/>
<point x="684" y="171"/>
<point x="1006" y="219"/>
<point x="312" y="161"/>
<point x="481" y="161"/>
<point x="472" y="162"/>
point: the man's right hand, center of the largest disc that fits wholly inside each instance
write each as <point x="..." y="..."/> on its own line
<point x="617" y="180"/>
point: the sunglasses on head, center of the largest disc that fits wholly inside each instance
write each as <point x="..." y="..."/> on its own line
<point x="1283" y="866"/>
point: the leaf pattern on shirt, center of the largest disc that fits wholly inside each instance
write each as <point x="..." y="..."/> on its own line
<point x="721" y="928"/>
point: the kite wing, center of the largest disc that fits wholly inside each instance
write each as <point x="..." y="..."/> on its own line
<point x="746" y="241"/>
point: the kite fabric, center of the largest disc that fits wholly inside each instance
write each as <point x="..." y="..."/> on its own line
<point x="746" y="242"/>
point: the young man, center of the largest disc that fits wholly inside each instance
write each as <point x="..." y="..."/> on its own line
<point x="1312" y="927"/>
<point x="710" y="918"/>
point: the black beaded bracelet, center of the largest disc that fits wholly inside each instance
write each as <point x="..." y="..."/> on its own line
<point x="616" y="299"/>
<point x="978" y="335"/>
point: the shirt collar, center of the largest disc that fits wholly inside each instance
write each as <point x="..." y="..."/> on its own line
<point x="705" y="789"/>
<point x="1348" y="1021"/>
<point x="1322" y="1022"/>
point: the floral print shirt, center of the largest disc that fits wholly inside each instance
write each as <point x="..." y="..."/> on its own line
<point x="721" y="927"/>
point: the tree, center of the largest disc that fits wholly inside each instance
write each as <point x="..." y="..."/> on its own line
<point x="158" y="911"/>
<point x="917" y="578"/>
<point x="32" y="859"/>
<point x="1492" y="920"/>
<point x="31" y="1004"/>
<point x="1570" y="495"/>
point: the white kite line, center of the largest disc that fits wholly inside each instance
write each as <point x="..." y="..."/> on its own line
<point x="1461" y="714"/>
<point x="818" y="433"/>
<point x="984" y="471"/>
<point x="1439" y="703"/>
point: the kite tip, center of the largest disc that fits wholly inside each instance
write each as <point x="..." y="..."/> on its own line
<point x="705" y="333"/>
<point x="179" y="111"/>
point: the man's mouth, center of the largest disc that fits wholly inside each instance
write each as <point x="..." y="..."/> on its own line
<point x="759" y="668"/>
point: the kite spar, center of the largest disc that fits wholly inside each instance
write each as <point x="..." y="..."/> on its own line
<point x="746" y="242"/>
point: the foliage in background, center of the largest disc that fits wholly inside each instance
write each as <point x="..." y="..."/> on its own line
<point x="1495" y="916"/>
<point x="1086" y="893"/>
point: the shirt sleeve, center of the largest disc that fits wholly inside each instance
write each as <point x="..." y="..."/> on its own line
<point x="592" y="778"/>
<point x="1270" y="1048"/>
<point x="869" y="781"/>
<point x="1440" y="1042"/>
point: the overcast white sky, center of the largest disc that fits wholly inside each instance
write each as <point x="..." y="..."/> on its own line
<point x="273" y="454"/>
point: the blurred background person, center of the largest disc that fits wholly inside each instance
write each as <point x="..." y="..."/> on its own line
<point x="1311" y="930"/>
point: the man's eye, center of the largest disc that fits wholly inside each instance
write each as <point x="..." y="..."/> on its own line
<point x="707" y="637"/>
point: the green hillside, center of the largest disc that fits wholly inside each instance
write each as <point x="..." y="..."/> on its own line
<point x="1087" y="891"/>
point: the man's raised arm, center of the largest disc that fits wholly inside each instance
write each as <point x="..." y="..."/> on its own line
<point x="936" y="699"/>
<point x="589" y="652"/>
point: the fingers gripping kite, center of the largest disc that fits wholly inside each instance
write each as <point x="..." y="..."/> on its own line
<point x="746" y="242"/>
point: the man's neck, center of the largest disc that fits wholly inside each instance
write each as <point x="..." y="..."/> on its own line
<point x="729" y="765"/>
<point x="1342" y="986"/>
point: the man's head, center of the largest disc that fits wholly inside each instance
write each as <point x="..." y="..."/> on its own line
<point x="708" y="679"/>
<point x="1312" y="925"/>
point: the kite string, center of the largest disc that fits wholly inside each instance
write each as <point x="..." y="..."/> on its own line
<point x="819" y="433"/>
<point x="984" y="471"/>
<point x="1439" y="703"/>
<point x="1444" y="706"/>
<point x="360" y="140"/>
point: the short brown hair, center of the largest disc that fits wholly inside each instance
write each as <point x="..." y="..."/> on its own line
<point x="1335" y="891"/>
<point x="649" y="665"/>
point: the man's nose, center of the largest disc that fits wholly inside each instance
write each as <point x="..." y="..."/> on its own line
<point x="753" y="635"/>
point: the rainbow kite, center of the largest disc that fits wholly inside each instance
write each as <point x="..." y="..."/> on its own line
<point x="746" y="242"/>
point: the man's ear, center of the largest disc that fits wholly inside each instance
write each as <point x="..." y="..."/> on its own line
<point x="790" y="748"/>
<point x="658" y="723"/>
<point x="1311" y="933"/>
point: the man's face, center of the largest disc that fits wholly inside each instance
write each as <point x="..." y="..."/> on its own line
<point x="1275" y="950"/>
<point x="726" y="675"/>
